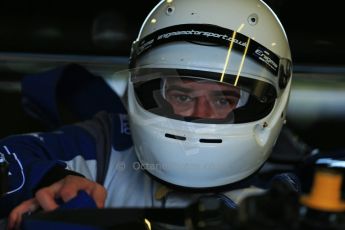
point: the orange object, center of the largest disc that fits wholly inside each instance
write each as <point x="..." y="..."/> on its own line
<point x="326" y="192"/>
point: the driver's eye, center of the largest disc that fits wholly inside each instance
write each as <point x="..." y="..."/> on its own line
<point x="224" y="102"/>
<point x="182" y="98"/>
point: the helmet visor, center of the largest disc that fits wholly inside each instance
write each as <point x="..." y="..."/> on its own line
<point x="201" y="96"/>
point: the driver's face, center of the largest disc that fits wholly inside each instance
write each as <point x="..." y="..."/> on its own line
<point x="201" y="99"/>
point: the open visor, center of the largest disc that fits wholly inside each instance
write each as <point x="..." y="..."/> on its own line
<point x="202" y="96"/>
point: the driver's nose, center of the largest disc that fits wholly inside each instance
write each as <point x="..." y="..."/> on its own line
<point x="202" y="108"/>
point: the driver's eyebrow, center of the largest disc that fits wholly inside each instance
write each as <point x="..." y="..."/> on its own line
<point x="178" y="88"/>
<point x="226" y="93"/>
<point x="214" y="92"/>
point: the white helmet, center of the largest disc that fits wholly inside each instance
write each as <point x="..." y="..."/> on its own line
<point x="233" y="57"/>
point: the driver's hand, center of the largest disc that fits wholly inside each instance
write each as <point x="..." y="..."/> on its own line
<point x="66" y="189"/>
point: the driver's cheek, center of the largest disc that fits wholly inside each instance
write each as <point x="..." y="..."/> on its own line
<point x="221" y="111"/>
<point x="183" y="109"/>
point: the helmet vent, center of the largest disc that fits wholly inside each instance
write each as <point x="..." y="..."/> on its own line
<point x="253" y="19"/>
<point x="172" y="136"/>
<point x="213" y="141"/>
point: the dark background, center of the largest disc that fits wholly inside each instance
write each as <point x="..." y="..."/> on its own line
<point x="36" y="35"/>
<point x="315" y="28"/>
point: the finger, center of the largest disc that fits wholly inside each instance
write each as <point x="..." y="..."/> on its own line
<point x="15" y="217"/>
<point x="66" y="189"/>
<point x="72" y="185"/>
<point x="99" y="194"/>
<point x="46" y="196"/>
